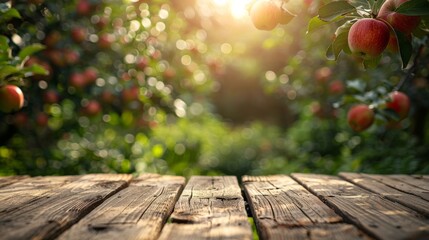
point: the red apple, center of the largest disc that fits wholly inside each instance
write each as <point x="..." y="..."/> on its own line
<point x="403" y="23"/>
<point x="368" y="37"/>
<point x="42" y="119"/>
<point x="83" y="7"/>
<point x="77" y="80"/>
<point x="130" y="94"/>
<point x="56" y="57"/>
<point x="156" y="54"/>
<point x="400" y="103"/>
<point x="91" y="75"/>
<point x="71" y="57"/>
<point x="102" y="22"/>
<point x="91" y="109"/>
<point x="107" y="97"/>
<point x="142" y="63"/>
<point x="323" y="74"/>
<point x="360" y="117"/>
<point x="11" y="98"/>
<point x="51" y="97"/>
<point x="20" y="119"/>
<point x="125" y="76"/>
<point x="52" y="39"/>
<point x="78" y="34"/>
<point x="105" y="41"/>
<point x="265" y="14"/>
<point x="336" y="87"/>
<point x="169" y="73"/>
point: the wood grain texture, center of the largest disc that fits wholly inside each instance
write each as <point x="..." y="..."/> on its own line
<point x="49" y="215"/>
<point x="283" y="209"/>
<point x="376" y="215"/>
<point x="5" y="181"/>
<point x="209" y="208"/>
<point x="409" y="184"/>
<point x="28" y="190"/>
<point x="384" y="185"/>
<point x="137" y="212"/>
<point x="319" y="232"/>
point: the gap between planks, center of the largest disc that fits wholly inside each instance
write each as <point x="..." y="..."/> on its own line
<point x="376" y="215"/>
<point x="284" y="209"/>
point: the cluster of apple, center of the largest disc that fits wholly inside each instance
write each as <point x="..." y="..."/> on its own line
<point x="327" y="87"/>
<point x="362" y="116"/>
<point x="369" y="37"/>
<point x="267" y="14"/>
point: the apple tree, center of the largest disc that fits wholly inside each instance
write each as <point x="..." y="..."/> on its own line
<point x="115" y="71"/>
<point x="373" y="33"/>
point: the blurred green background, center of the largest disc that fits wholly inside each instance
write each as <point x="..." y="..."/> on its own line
<point x="191" y="87"/>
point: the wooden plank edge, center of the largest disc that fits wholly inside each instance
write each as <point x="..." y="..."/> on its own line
<point x="346" y="218"/>
<point x="345" y="176"/>
<point x="9" y="180"/>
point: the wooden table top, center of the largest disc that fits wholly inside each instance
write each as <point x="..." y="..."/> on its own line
<point x="296" y="206"/>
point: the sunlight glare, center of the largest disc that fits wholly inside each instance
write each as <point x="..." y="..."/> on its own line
<point x="237" y="8"/>
<point x="220" y="2"/>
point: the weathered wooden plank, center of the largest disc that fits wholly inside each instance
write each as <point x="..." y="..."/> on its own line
<point x="7" y="180"/>
<point x="377" y="184"/>
<point x="28" y="190"/>
<point x="209" y="208"/>
<point x="47" y="216"/>
<point x="137" y="212"/>
<point x="283" y="209"/>
<point x="376" y="215"/>
<point x="318" y="232"/>
<point x="423" y="177"/>
<point x="409" y="184"/>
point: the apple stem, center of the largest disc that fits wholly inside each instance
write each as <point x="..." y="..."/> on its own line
<point x="411" y="71"/>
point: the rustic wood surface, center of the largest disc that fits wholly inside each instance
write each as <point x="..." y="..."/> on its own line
<point x="301" y="206"/>
<point x="28" y="190"/>
<point x="209" y="208"/>
<point x="391" y="189"/>
<point x="378" y="216"/>
<point x="137" y="212"/>
<point x="56" y="210"/>
<point x="412" y="185"/>
<point x="283" y="209"/>
<point x="4" y="181"/>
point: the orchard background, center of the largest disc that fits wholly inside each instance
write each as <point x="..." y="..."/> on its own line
<point x="194" y="87"/>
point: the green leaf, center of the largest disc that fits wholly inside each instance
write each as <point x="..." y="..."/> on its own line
<point x="4" y="43"/>
<point x="390" y="114"/>
<point x="378" y="4"/>
<point x="29" y="50"/>
<point x="34" y="69"/>
<point x="333" y="10"/>
<point x="414" y="8"/>
<point x="315" y="23"/>
<point x="7" y="70"/>
<point x="371" y="63"/>
<point x="9" y="14"/>
<point x="340" y="42"/>
<point x="356" y="86"/>
<point x="360" y="3"/>
<point x="405" y="48"/>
